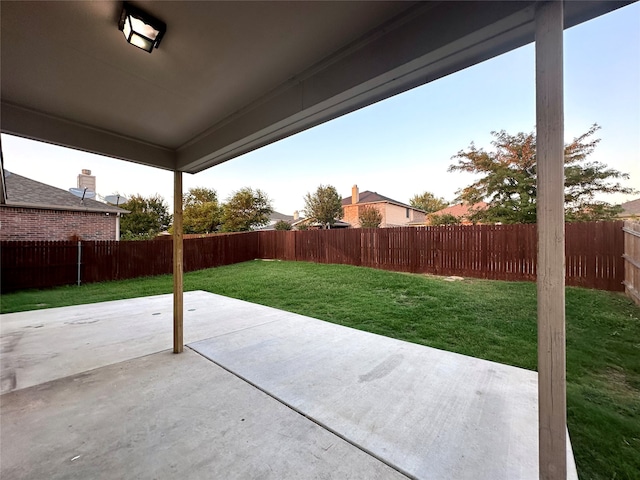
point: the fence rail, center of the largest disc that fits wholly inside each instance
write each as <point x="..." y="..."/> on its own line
<point x="632" y="260"/>
<point x="594" y="254"/>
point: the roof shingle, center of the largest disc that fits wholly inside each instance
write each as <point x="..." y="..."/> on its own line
<point x="24" y="192"/>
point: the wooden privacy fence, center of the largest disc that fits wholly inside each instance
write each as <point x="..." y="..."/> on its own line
<point x="632" y="260"/>
<point x="500" y="252"/>
<point x="594" y="254"/>
<point x="47" y="264"/>
<point x="37" y="264"/>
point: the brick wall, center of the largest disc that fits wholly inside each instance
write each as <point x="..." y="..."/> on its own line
<point x="34" y="224"/>
<point x="350" y="215"/>
<point x="392" y="215"/>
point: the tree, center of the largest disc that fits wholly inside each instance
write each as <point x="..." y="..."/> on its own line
<point x="282" y="225"/>
<point x="149" y="216"/>
<point x="369" y="217"/>
<point x="245" y="210"/>
<point x="202" y="212"/>
<point x="324" y="206"/>
<point x="428" y="202"/>
<point x="508" y="179"/>
<point x="444" y="219"/>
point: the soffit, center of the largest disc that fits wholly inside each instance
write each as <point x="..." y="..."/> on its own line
<point x="230" y="77"/>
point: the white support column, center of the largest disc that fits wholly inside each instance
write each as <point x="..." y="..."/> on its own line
<point x="178" y="289"/>
<point x="552" y="415"/>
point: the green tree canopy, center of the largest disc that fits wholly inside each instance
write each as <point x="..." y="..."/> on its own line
<point x="282" y="225"/>
<point x="149" y="216"/>
<point x="428" y="202"/>
<point x="246" y="210"/>
<point x="324" y="206"/>
<point x="444" y="219"/>
<point x="370" y="217"/>
<point x="508" y="179"/>
<point x="202" y="212"/>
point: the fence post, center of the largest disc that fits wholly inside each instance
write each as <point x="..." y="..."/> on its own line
<point x="631" y="258"/>
<point x="438" y="245"/>
<point x="79" y="259"/>
<point x="484" y="251"/>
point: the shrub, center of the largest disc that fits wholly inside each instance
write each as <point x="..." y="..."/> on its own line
<point x="282" y="225"/>
<point x="370" y="217"/>
<point x="445" y="219"/>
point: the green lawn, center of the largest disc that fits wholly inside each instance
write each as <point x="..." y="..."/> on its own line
<point x="487" y="319"/>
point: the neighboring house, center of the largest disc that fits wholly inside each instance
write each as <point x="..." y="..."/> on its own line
<point x="394" y="213"/>
<point x="630" y="210"/>
<point x="31" y="210"/>
<point x="461" y="211"/>
<point x="276" y="217"/>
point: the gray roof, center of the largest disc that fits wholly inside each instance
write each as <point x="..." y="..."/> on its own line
<point x="337" y="223"/>
<point x="24" y="192"/>
<point x="277" y="216"/>
<point x="630" y="208"/>
<point x="274" y="218"/>
<point x="374" y="197"/>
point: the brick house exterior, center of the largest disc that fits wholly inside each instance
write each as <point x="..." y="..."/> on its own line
<point x="31" y="210"/>
<point x="394" y="213"/>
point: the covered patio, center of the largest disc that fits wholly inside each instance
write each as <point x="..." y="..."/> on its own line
<point x="230" y="77"/>
<point x="259" y="393"/>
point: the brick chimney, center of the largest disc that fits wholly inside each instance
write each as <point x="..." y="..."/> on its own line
<point x="86" y="180"/>
<point x="355" y="195"/>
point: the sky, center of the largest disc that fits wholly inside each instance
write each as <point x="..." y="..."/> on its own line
<point x="403" y="146"/>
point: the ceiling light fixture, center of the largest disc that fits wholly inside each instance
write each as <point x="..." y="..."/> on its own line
<point x="141" y="29"/>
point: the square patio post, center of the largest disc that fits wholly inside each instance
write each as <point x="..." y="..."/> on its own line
<point x="178" y="343"/>
<point x="552" y="417"/>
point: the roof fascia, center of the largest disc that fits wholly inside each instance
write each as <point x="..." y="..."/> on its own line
<point x="34" y="125"/>
<point x="37" y="206"/>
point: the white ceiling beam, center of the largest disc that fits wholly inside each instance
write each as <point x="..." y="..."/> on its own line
<point x="34" y="125"/>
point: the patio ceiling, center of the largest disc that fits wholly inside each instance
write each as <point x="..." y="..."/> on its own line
<point x="230" y="77"/>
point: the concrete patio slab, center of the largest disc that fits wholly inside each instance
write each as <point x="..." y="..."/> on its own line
<point x="167" y="416"/>
<point x="89" y="381"/>
<point x="43" y="345"/>
<point x="429" y="413"/>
